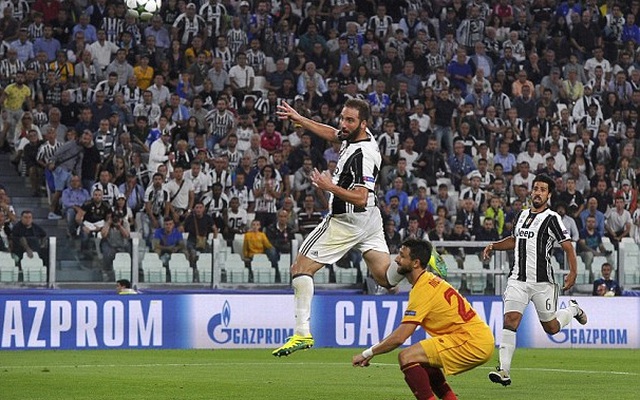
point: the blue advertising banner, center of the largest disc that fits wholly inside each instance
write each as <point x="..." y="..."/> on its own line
<point x="82" y="320"/>
<point x="90" y="322"/>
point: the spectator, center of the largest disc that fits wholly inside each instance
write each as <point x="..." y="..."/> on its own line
<point x="460" y="164"/>
<point x="198" y="225"/>
<point x="95" y="213"/>
<point x="157" y="207"/>
<point x="168" y="240"/>
<point x="606" y="286"/>
<point x="66" y="161"/>
<point x="590" y="245"/>
<point x="73" y="198"/>
<point x="257" y="242"/>
<point x="115" y="239"/>
<point x="29" y="238"/>
<point x="618" y="222"/>
<point x="280" y="235"/>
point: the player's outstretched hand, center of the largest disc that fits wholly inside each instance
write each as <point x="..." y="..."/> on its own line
<point x="322" y="180"/>
<point x="486" y="253"/>
<point x="359" y="361"/>
<point x="569" y="281"/>
<point x="285" y="111"/>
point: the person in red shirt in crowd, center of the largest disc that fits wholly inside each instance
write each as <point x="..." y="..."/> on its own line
<point x="270" y="139"/>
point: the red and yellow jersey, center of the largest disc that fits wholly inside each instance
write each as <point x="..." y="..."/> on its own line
<point x="439" y="309"/>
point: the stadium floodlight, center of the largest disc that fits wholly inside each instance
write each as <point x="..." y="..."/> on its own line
<point x="144" y="9"/>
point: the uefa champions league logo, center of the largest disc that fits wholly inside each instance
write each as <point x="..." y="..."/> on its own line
<point x="218" y="327"/>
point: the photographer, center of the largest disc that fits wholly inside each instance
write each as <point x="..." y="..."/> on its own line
<point x="115" y="239"/>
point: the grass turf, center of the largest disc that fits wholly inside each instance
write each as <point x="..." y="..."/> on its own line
<point x="314" y="374"/>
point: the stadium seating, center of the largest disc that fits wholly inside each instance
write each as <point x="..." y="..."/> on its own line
<point x="238" y="242"/>
<point x="346" y="275"/>
<point x="453" y="278"/>
<point x="475" y="273"/>
<point x="122" y="266"/>
<point x="154" y="271"/>
<point x="322" y="276"/>
<point x="8" y="270"/>
<point x="235" y="269"/>
<point x="284" y="266"/>
<point x="262" y="270"/>
<point x="583" y="274"/>
<point x="179" y="268"/>
<point x="203" y="265"/>
<point x="630" y="262"/>
<point x="33" y="269"/>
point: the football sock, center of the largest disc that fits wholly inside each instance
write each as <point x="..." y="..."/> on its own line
<point x="507" y="348"/>
<point x="393" y="276"/>
<point x="418" y="381"/>
<point x="439" y="384"/>
<point x="565" y="315"/>
<point x="302" y="294"/>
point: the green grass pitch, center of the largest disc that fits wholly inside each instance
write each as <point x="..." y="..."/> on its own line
<point x="312" y="374"/>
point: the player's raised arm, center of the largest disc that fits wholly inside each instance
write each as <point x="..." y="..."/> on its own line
<point x="508" y="243"/>
<point x="326" y="132"/>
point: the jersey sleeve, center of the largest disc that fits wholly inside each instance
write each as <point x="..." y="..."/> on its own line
<point x="418" y="305"/>
<point x="557" y="229"/>
<point x="366" y="170"/>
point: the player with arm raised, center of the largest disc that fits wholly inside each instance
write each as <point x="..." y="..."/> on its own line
<point x="531" y="278"/>
<point x="459" y="339"/>
<point x="354" y="222"/>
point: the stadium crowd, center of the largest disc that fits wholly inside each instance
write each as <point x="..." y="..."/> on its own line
<point x="169" y="125"/>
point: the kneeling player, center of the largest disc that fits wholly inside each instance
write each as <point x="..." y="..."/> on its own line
<point x="459" y="340"/>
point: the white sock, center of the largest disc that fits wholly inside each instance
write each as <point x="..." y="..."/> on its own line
<point x="302" y="293"/>
<point x="564" y="315"/>
<point x="507" y="348"/>
<point x="393" y="276"/>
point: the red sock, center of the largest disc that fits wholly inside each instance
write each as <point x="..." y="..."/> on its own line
<point x="418" y="381"/>
<point x="439" y="383"/>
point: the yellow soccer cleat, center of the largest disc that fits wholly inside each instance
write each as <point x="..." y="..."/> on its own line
<point x="294" y="343"/>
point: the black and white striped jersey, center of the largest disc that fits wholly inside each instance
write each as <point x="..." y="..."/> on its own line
<point x="226" y="57"/>
<point x="189" y="28"/>
<point x="47" y="150"/>
<point x="8" y="70"/>
<point x="109" y="192"/>
<point x="358" y="165"/>
<point x="113" y="27"/>
<point x="109" y="91"/>
<point x="535" y="235"/>
<point x="35" y="31"/>
<point x="132" y="96"/>
<point x="213" y="14"/>
<point x="223" y="177"/>
<point x="83" y="98"/>
<point x="220" y="124"/>
<point x="236" y="40"/>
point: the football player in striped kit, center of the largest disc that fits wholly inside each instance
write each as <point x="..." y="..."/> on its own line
<point x="355" y="221"/>
<point x="531" y="279"/>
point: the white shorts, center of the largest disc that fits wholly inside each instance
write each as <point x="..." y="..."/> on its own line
<point x="543" y="295"/>
<point x="337" y="234"/>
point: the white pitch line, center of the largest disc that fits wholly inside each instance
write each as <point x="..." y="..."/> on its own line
<point x="561" y="370"/>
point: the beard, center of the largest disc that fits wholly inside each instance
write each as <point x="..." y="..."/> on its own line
<point x="537" y="202"/>
<point x="349" y="136"/>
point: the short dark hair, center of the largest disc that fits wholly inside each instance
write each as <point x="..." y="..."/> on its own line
<point x="364" y="111"/>
<point x="545" y="179"/>
<point x="419" y="250"/>
<point x="124" y="283"/>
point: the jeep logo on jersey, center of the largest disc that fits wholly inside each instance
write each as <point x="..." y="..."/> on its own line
<point x="526" y="233"/>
